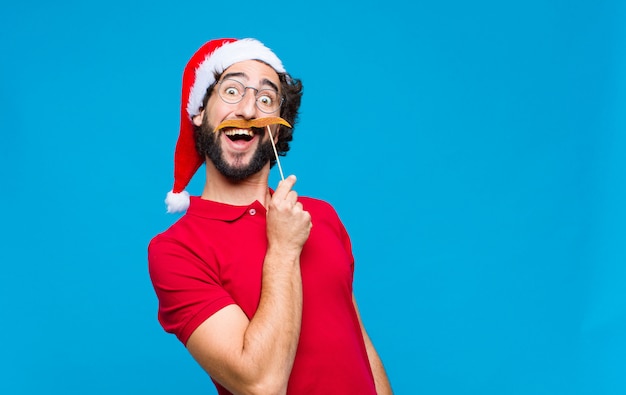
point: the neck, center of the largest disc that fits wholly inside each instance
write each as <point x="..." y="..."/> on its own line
<point x="237" y="193"/>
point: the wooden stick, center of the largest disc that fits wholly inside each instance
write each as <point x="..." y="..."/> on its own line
<point x="282" y="177"/>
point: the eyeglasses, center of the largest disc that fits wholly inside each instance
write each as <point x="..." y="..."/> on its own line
<point x="232" y="91"/>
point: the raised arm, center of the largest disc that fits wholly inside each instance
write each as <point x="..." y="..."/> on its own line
<point x="256" y="356"/>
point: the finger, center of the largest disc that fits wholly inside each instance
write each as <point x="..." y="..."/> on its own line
<point x="284" y="187"/>
<point x="292" y="197"/>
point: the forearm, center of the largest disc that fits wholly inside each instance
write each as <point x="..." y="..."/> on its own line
<point x="271" y="339"/>
<point x="255" y="356"/>
<point x="383" y="386"/>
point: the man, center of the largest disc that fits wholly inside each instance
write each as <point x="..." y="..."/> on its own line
<point x="257" y="284"/>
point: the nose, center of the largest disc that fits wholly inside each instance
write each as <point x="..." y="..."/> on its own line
<point x="246" y="108"/>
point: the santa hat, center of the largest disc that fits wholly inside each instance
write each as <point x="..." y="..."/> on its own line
<point x="213" y="57"/>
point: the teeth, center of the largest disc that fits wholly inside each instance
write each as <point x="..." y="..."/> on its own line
<point x="239" y="132"/>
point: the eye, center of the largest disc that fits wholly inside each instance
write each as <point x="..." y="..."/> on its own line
<point x="267" y="98"/>
<point x="231" y="91"/>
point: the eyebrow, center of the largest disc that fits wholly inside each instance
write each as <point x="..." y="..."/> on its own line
<point x="265" y="81"/>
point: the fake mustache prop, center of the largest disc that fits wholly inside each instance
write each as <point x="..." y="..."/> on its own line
<point x="257" y="123"/>
<point x="253" y="123"/>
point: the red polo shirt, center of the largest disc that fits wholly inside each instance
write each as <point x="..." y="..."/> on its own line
<point x="213" y="256"/>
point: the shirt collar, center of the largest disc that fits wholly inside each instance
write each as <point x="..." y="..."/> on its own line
<point x="220" y="211"/>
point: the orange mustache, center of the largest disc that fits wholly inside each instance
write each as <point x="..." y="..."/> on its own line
<point x="254" y="123"/>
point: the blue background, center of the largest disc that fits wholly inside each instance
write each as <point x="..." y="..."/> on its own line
<point x="475" y="151"/>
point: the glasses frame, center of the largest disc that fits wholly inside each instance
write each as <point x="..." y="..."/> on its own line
<point x="245" y="90"/>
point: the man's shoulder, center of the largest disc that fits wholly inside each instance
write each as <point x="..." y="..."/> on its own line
<point x="181" y="229"/>
<point x="311" y="202"/>
<point x="318" y="207"/>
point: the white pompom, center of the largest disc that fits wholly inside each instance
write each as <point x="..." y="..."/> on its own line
<point x="177" y="202"/>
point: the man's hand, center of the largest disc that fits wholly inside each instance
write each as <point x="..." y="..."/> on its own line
<point x="288" y="225"/>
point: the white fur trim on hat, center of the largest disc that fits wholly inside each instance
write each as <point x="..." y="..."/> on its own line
<point x="221" y="59"/>
<point x="177" y="202"/>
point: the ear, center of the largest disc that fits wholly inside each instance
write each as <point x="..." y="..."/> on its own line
<point x="197" y="119"/>
<point x="276" y="133"/>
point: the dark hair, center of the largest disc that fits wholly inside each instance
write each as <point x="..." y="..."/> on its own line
<point x="292" y="94"/>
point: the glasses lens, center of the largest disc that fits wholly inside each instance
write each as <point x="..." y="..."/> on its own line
<point x="231" y="91"/>
<point x="267" y="100"/>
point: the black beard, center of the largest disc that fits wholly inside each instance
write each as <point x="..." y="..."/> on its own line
<point x="208" y="146"/>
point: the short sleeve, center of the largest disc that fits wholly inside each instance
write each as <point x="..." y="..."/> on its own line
<point x="187" y="287"/>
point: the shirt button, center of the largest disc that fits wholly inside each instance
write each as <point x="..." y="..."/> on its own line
<point x="252" y="211"/>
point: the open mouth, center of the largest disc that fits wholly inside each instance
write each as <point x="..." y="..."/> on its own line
<point x="242" y="134"/>
<point x="245" y="130"/>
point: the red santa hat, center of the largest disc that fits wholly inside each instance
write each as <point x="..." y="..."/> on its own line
<point x="213" y="57"/>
